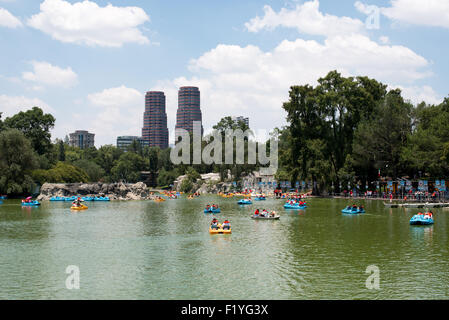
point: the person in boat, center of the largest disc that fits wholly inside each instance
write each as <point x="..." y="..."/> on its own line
<point x="361" y="208"/>
<point x="208" y="207"/>
<point x="214" y="224"/>
<point x="256" y="213"/>
<point x="264" y="213"/>
<point x="272" y="214"/>
<point x="354" y="207"/>
<point x="226" y="225"/>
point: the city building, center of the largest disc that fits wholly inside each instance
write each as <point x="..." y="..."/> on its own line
<point x="123" y="142"/>
<point x="155" y="130"/>
<point x="82" y="139"/>
<point x="189" y="109"/>
<point x="241" y="118"/>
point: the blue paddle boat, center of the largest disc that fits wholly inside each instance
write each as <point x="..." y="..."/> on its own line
<point x="216" y="210"/>
<point x="3" y="197"/>
<point x="351" y="210"/>
<point x="421" y="220"/>
<point x="73" y="198"/>
<point x="101" y="199"/>
<point x="31" y="204"/>
<point x="245" y="201"/>
<point x="88" y="198"/>
<point x="57" y="199"/>
<point x="295" y="206"/>
<point x="261" y="198"/>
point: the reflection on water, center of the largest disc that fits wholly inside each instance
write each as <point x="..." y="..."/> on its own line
<point x="148" y="250"/>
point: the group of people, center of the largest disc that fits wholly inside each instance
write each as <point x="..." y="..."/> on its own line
<point x="77" y="202"/>
<point x="264" y="213"/>
<point x="296" y="202"/>
<point x="226" y="225"/>
<point x="354" y="207"/>
<point x="213" y="207"/>
<point x="427" y="215"/>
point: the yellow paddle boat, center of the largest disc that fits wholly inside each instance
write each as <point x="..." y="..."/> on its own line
<point x="220" y="230"/>
<point x="81" y="207"/>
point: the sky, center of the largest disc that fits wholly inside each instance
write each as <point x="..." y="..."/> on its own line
<point x="89" y="63"/>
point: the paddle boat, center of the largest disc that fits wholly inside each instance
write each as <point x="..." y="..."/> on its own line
<point x="159" y="199"/>
<point x="422" y="219"/>
<point x="270" y="216"/>
<point x="72" y="198"/>
<point x="30" y="203"/>
<point x="88" y="198"/>
<point x="101" y="199"/>
<point x="212" y="210"/>
<point x="260" y="198"/>
<point x="57" y="199"/>
<point x="220" y="230"/>
<point x="295" y="205"/>
<point x="78" y="208"/>
<point x="352" y="210"/>
<point x="3" y="197"/>
<point x="245" y="201"/>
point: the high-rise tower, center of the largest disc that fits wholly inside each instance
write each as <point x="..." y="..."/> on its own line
<point x="189" y="108"/>
<point x="155" y="130"/>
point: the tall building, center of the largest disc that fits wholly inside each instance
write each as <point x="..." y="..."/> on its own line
<point x="241" y="118"/>
<point x="82" y="139"/>
<point x="189" y="108"/>
<point x="155" y="130"/>
<point x="123" y="142"/>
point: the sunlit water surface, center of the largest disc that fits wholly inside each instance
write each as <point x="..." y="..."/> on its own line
<point x="148" y="250"/>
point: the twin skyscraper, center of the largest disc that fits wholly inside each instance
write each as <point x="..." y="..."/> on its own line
<point x="155" y="129"/>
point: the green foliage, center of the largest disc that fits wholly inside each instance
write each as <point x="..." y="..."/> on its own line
<point x="166" y="178"/>
<point x="128" y="167"/>
<point x="93" y="170"/>
<point x="186" y="186"/>
<point x="35" y="125"/>
<point x="61" y="173"/>
<point x="17" y="159"/>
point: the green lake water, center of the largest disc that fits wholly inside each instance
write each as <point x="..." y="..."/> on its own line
<point x="148" y="250"/>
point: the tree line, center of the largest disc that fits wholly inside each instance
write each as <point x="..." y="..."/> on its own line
<point x="351" y="129"/>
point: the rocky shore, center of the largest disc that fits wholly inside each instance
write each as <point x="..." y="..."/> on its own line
<point x="115" y="191"/>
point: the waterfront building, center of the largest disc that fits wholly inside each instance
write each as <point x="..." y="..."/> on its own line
<point x="155" y="130"/>
<point x="189" y="109"/>
<point x="82" y="139"/>
<point x="123" y="142"/>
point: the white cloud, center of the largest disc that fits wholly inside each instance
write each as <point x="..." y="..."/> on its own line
<point x="384" y="39"/>
<point x="248" y="81"/>
<point x="11" y="105"/>
<point x="46" y="74"/>
<point x="417" y="12"/>
<point x="87" y="23"/>
<point x="8" y="20"/>
<point x="121" y="113"/>
<point x="306" y="18"/>
<point x="418" y="94"/>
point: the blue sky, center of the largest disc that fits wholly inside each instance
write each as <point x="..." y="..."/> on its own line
<point x="90" y="63"/>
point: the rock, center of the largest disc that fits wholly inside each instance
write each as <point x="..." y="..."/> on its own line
<point x="115" y="191"/>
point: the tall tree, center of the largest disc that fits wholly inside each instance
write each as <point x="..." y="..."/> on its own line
<point x="36" y="126"/>
<point x="17" y="160"/>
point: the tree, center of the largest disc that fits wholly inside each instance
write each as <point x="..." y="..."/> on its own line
<point x="61" y="151"/>
<point x="61" y="173"/>
<point x="93" y="170"/>
<point x="35" y="125"/>
<point x="107" y="157"/>
<point x="380" y="139"/>
<point x="328" y="114"/>
<point x="128" y="167"/>
<point x="17" y="160"/>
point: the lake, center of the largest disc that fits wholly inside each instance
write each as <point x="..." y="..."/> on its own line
<point x="148" y="250"/>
